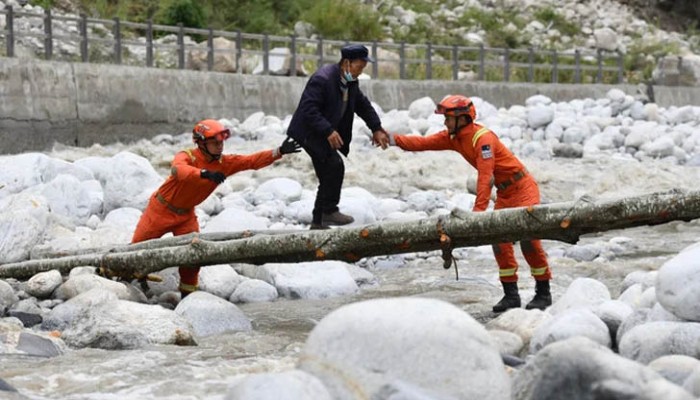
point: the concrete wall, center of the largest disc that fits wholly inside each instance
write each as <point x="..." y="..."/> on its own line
<point x="80" y="104"/>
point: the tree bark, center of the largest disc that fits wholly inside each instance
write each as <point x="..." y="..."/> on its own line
<point x="565" y="222"/>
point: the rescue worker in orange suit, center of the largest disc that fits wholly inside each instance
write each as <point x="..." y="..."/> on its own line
<point x="515" y="187"/>
<point x="194" y="175"/>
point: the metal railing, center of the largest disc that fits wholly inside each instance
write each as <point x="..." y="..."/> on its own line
<point x="150" y="45"/>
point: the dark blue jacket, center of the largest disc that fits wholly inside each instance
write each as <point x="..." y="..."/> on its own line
<point x="318" y="113"/>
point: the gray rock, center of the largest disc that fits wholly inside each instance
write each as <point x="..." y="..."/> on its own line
<point x="647" y="342"/>
<point x="6" y="387"/>
<point x="571" y="323"/>
<point x="119" y="324"/>
<point x="43" y="284"/>
<point x="425" y="343"/>
<point x="219" y="280"/>
<point x="211" y="315"/>
<point x="7" y="296"/>
<point x="294" y="384"/>
<point x="253" y="291"/>
<point x="63" y="314"/>
<point x="82" y="283"/>
<point x="675" y="368"/>
<point x="579" y="369"/>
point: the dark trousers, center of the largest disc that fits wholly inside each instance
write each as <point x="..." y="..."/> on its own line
<point x="330" y="172"/>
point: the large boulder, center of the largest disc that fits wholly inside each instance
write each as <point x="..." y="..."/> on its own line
<point x="677" y="71"/>
<point x="579" y="369"/>
<point x="678" y="284"/>
<point x="401" y="346"/>
<point x="224" y="56"/>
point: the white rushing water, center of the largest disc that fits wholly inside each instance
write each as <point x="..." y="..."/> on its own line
<point x="281" y="327"/>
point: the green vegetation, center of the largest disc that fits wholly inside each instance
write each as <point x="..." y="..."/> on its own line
<point x="434" y="22"/>
<point x="344" y="19"/>
<point x="549" y="16"/>
<point x="189" y="13"/>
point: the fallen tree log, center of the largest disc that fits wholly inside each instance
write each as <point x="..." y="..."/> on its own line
<point x="565" y="222"/>
<point x="39" y="253"/>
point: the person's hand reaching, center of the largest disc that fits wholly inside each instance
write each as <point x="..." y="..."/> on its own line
<point x="380" y="138"/>
<point x="289" y="146"/>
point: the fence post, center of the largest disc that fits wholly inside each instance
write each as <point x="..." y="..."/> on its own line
<point x="577" y="62"/>
<point x="180" y="46"/>
<point x="599" y="77"/>
<point x="149" y="43"/>
<point x="402" y="62"/>
<point x="10" y="26"/>
<point x="319" y="52"/>
<point x="48" y="35"/>
<point x="83" y="38"/>
<point x="455" y="63"/>
<point x="293" y="61"/>
<point x="555" y="67"/>
<point x="210" y="49"/>
<point x="482" y="72"/>
<point x="239" y="50"/>
<point x="506" y="64"/>
<point x="375" y="65"/>
<point x="531" y="65"/>
<point x="117" y="41"/>
<point x="429" y="62"/>
<point x="266" y="54"/>
<point x="620" y="67"/>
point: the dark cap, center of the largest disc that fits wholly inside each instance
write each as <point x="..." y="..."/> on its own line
<point x="356" y="52"/>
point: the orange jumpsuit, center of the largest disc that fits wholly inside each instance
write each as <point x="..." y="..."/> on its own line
<point x="497" y="166"/>
<point x="171" y="207"/>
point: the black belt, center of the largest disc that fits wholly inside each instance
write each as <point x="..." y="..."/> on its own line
<point x="514" y="178"/>
<point x="178" y="211"/>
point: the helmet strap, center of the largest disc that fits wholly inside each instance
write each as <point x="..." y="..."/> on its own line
<point x="459" y="125"/>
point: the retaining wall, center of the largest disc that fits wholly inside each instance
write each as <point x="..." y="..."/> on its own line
<point x="42" y="102"/>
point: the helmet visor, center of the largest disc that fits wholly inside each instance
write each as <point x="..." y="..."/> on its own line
<point x="220" y="136"/>
<point x="441" y="109"/>
<point x="453" y="111"/>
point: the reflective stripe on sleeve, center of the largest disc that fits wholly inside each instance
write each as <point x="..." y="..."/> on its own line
<point x="478" y="134"/>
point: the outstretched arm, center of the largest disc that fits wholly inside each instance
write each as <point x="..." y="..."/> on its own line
<point x="437" y="141"/>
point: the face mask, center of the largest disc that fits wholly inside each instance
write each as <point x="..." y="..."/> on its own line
<point x="348" y="76"/>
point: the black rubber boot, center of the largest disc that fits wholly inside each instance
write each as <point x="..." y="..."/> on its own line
<point x="511" y="298"/>
<point x="543" y="297"/>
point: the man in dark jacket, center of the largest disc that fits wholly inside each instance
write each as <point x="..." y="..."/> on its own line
<point x="322" y="124"/>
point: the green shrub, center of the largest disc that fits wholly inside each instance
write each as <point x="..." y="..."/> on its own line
<point x="549" y="15"/>
<point x="189" y="13"/>
<point x="344" y="19"/>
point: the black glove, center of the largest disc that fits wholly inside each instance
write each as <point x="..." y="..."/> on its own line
<point x="216" y="177"/>
<point x="289" y="146"/>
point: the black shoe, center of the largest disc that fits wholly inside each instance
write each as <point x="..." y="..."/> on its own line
<point x="319" y="226"/>
<point x="543" y="296"/>
<point x="511" y="298"/>
<point x="506" y="303"/>
<point x="337" y="218"/>
<point x="540" y="302"/>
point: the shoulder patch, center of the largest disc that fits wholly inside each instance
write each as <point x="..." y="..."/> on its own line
<point x="486" y="151"/>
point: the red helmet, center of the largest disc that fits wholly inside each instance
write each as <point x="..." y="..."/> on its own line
<point x="210" y="129"/>
<point x="454" y="105"/>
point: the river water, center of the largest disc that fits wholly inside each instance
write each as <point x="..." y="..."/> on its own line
<point x="281" y="327"/>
